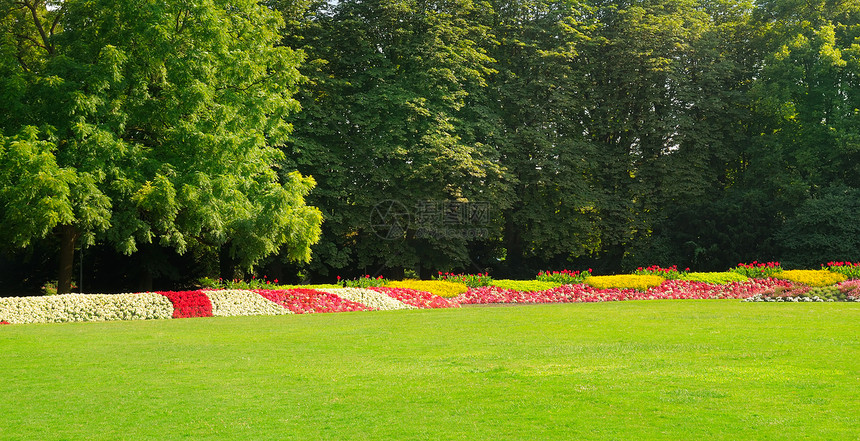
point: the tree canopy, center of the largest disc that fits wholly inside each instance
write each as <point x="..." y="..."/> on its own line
<point x="139" y="122"/>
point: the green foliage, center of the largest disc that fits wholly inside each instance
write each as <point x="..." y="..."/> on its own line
<point x="848" y="269"/>
<point x="382" y="124"/>
<point x="525" y="285"/>
<point x="253" y="283"/>
<point x="758" y="270"/>
<point x="532" y="113"/>
<point x="604" y="134"/>
<point x="170" y="142"/>
<point x="670" y="273"/>
<point x="313" y="286"/>
<point x="470" y="280"/>
<point x="823" y="228"/>
<point x="362" y="282"/>
<point x="564" y="277"/>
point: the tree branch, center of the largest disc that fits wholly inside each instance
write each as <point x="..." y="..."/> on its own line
<point x="38" y="23"/>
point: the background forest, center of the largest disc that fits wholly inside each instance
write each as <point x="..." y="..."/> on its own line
<point x="152" y="143"/>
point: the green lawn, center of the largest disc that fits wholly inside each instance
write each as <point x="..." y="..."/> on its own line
<point x="674" y="370"/>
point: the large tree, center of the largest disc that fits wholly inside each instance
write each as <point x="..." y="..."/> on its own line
<point x="134" y="122"/>
<point x="533" y="121"/>
<point x="384" y="127"/>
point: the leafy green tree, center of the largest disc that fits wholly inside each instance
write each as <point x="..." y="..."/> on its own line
<point x="823" y="229"/>
<point x="384" y="119"/>
<point x="808" y="93"/>
<point x="532" y="118"/>
<point x="134" y="122"/>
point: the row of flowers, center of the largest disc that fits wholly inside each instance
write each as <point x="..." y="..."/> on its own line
<point x="670" y="289"/>
<point x="237" y="302"/>
<point x="209" y="303"/>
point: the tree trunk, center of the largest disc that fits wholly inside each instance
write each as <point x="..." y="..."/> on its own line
<point x="513" y="245"/>
<point x="226" y="264"/>
<point x="68" y="236"/>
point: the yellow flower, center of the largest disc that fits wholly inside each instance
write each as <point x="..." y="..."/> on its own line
<point x="638" y="282"/>
<point x="715" y="278"/>
<point x="525" y="285"/>
<point x="812" y="277"/>
<point x="441" y="288"/>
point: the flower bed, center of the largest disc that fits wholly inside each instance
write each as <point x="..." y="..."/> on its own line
<point x="416" y="298"/>
<point x="846" y="291"/>
<point x="100" y="307"/>
<point x="85" y="308"/>
<point x="238" y="302"/>
<point x="188" y="304"/>
<point x="671" y="289"/>
<point x="369" y="298"/>
<point x="305" y="301"/>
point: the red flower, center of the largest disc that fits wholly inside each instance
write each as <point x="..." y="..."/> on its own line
<point x="305" y="301"/>
<point x="416" y="298"/>
<point x="189" y="303"/>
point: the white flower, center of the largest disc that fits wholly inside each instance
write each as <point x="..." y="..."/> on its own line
<point x="85" y="307"/>
<point x="236" y="302"/>
<point x="369" y="298"/>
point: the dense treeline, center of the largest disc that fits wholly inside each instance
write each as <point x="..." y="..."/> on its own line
<point x="509" y="136"/>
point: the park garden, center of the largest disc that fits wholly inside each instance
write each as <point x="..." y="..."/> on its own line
<point x="420" y="219"/>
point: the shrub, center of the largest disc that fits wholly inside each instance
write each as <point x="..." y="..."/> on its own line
<point x="305" y="301"/>
<point x="758" y="270"/>
<point x="369" y="298"/>
<point x="525" y="285"/>
<point x="316" y="286"/>
<point x="416" y="298"/>
<point x="812" y="277"/>
<point x="670" y="273"/>
<point x="637" y="282"/>
<point x="85" y="308"/>
<point x="715" y="278"/>
<point x="847" y="269"/>
<point x="824" y="226"/>
<point x="565" y="277"/>
<point x="441" y="288"/>
<point x="361" y="282"/>
<point x="470" y="280"/>
<point x="189" y="303"/>
<point x="235" y="302"/>
<point x="254" y="283"/>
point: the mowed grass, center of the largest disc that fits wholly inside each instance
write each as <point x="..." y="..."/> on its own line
<point x="629" y="370"/>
